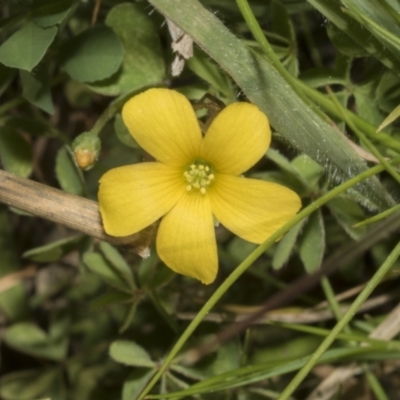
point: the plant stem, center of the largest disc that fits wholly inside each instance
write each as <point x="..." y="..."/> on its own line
<point x="378" y="217"/>
<point x="330" y="297"/>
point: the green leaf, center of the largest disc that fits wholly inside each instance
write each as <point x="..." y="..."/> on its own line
<point x="130" y="353"/>
<point x="13" y="300"/>
<point x="32" y="126"/>
<point x="342" y="67"/>
<point x="100" y="266"/>
<point x="8" y="251"/>
<point x="67" y="173"/>
<point x="36" y="88"/>
<point x="283" y="26"/>
<point x="282" y="162"/>
<point x="93" y="55"/>
<point x="312" y="242"/>
<point x="91" y="381"/>
<point x="152" y="274"/>
<point x="206" y="69"/>
<point x="15" y="152"/>
<point x="348" y="213"/>
<point x="239" y="249"/>
<point x="122" y="132"/>
<point x="48" y="13"/>
<point x="118" y="262"/>
<point x="110" y="297"/>
<point x="333" y="11"/>
<point x="390" y="118"/>
<point x="143" y="63"/>
<point x="6" y="76"/>
<point x="59" y="326"/>
<point x="263" y="86"/>
<point x="135" y="383"/>
<point x="317" y="77"/>
<point x="344" y="43"/>
<point x="283" y="178"/>
<point x="281" y="22"/>
<point x="129" y="317"/>
<point x="285" y="246"/>
<point x="53" y="251"/>
<point x="78" y="94"/>
<point x="26" y="47"/>
<point x="293" y="177"/>
<point x="28" y="385"/>
<point x="228" y="358"/>
<point x="308" y="169"/>
<point x="388" y="92"/>
<point x="289" y="350"/>
<point x="372" y="15"/>
<point x="367" y="108"/>
<point x="29" y="338"/>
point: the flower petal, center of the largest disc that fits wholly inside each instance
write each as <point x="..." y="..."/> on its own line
<point x="237" y="138"/>
<point x="163" y="122"/>
<point x="186" y="238"/>
<point x="250" y="208"/>
<point x="135" y="196"/>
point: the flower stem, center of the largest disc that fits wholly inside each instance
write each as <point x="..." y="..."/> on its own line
<point x="378" y="217"/>
<point x="231" y="279"/>
<point x="330" y="297"/>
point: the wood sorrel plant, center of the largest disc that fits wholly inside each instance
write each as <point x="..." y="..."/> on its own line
<point x="120" y="93"/>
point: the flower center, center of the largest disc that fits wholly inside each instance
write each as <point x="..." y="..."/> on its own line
<point x="199" y="176"/>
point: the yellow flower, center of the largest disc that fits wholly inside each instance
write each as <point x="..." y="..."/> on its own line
<point x="193" y="179"/>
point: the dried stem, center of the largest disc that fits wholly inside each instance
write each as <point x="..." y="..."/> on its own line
<point x="66" y="209"/>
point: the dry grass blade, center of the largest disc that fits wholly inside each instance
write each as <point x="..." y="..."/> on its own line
<point x="306" y="316"/>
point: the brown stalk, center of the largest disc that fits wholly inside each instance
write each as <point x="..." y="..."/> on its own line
<point x="66" y="209"/>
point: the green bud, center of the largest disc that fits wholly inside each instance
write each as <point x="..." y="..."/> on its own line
<point x="86" y="149"/>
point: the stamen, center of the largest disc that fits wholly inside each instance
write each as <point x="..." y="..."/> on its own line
<point x="199" y="176"/>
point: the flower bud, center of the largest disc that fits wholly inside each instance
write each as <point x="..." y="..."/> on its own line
<point x="86" y="149"/>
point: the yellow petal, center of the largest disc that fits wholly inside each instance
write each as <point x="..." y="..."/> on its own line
<point x="237" y="138"/>
<point x="135" y="196"/>
<point x="186" y="238"/>
<point x="250" y="208"/>
<point x="163" y="122"/>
